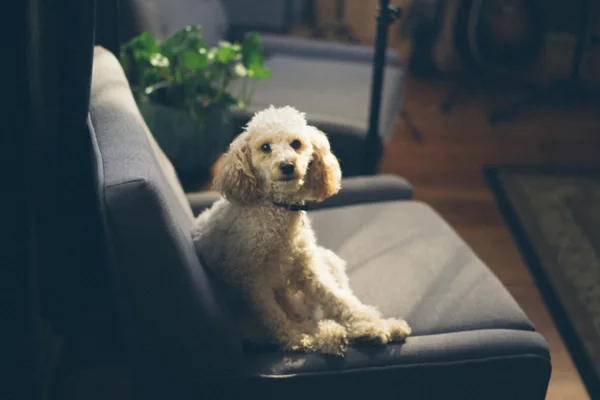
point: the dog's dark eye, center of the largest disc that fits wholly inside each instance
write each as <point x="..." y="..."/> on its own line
<point x="296" y="144"/>
<point x="266" y="148"/>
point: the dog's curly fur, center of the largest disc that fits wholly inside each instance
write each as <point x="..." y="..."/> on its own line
<point x="295" y="292"/>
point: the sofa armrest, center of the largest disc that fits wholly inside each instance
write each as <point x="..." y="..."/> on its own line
<point x="283" y="45"/>
<point x="200" y="201"/>
<point x="368" y="189"/>
<point x="355" y="190"/>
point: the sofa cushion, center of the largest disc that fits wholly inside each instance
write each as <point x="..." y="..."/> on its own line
<point x="403" y="257"/>
<point x="342" y="110"/>
<point x="470" y="338"/>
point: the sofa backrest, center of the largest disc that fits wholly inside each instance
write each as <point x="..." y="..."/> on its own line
<point x="171" y="312"/>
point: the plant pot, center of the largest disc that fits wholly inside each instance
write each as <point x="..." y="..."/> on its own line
<point x="192" y="148"/>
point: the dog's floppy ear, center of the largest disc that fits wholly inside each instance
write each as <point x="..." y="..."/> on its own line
<point x="235" y="179"/>
<point x="324" y="176"/>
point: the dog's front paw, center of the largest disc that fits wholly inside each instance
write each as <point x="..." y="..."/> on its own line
<point x="298" y="342"/>
<point x="398" y="329"/>
<point x="370" y="331"/>
<point x="331" y="338"/>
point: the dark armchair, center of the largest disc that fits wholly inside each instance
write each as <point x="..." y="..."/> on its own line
<point x="471" y="340"/>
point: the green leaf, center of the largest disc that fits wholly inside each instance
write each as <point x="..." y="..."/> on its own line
<point x="144" y="42"/>
<point x="228" y="53"/>
<point x="186" y="39"/>
<point x="252" y="54"/>
<point x="194" y="61"/>
<point x="253" y="58"/>
<point x="262" y="73"/>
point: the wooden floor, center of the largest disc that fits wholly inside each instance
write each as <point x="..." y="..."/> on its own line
<point x="445" y="168"/>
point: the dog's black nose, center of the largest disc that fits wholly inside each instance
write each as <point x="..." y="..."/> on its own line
<point x="287" y="168"/>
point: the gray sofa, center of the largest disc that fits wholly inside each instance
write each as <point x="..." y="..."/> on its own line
<point x="329" y="81"/>
<point x="471" y="340"/>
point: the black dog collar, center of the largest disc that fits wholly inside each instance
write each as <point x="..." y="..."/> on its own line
<point x="291" y="207"/>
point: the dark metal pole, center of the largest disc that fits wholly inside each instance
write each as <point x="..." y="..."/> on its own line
<point x="385" y="16"/>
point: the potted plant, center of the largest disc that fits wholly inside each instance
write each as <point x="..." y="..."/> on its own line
<point x="184" y="90"/>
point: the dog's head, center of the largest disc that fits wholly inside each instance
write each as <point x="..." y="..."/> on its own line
<point x="279" y="157"/>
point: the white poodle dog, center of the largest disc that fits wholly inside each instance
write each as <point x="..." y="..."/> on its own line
<point x="259" y="243"/>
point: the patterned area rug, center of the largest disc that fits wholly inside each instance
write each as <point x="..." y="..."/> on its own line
<point x="555" y="218"/>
